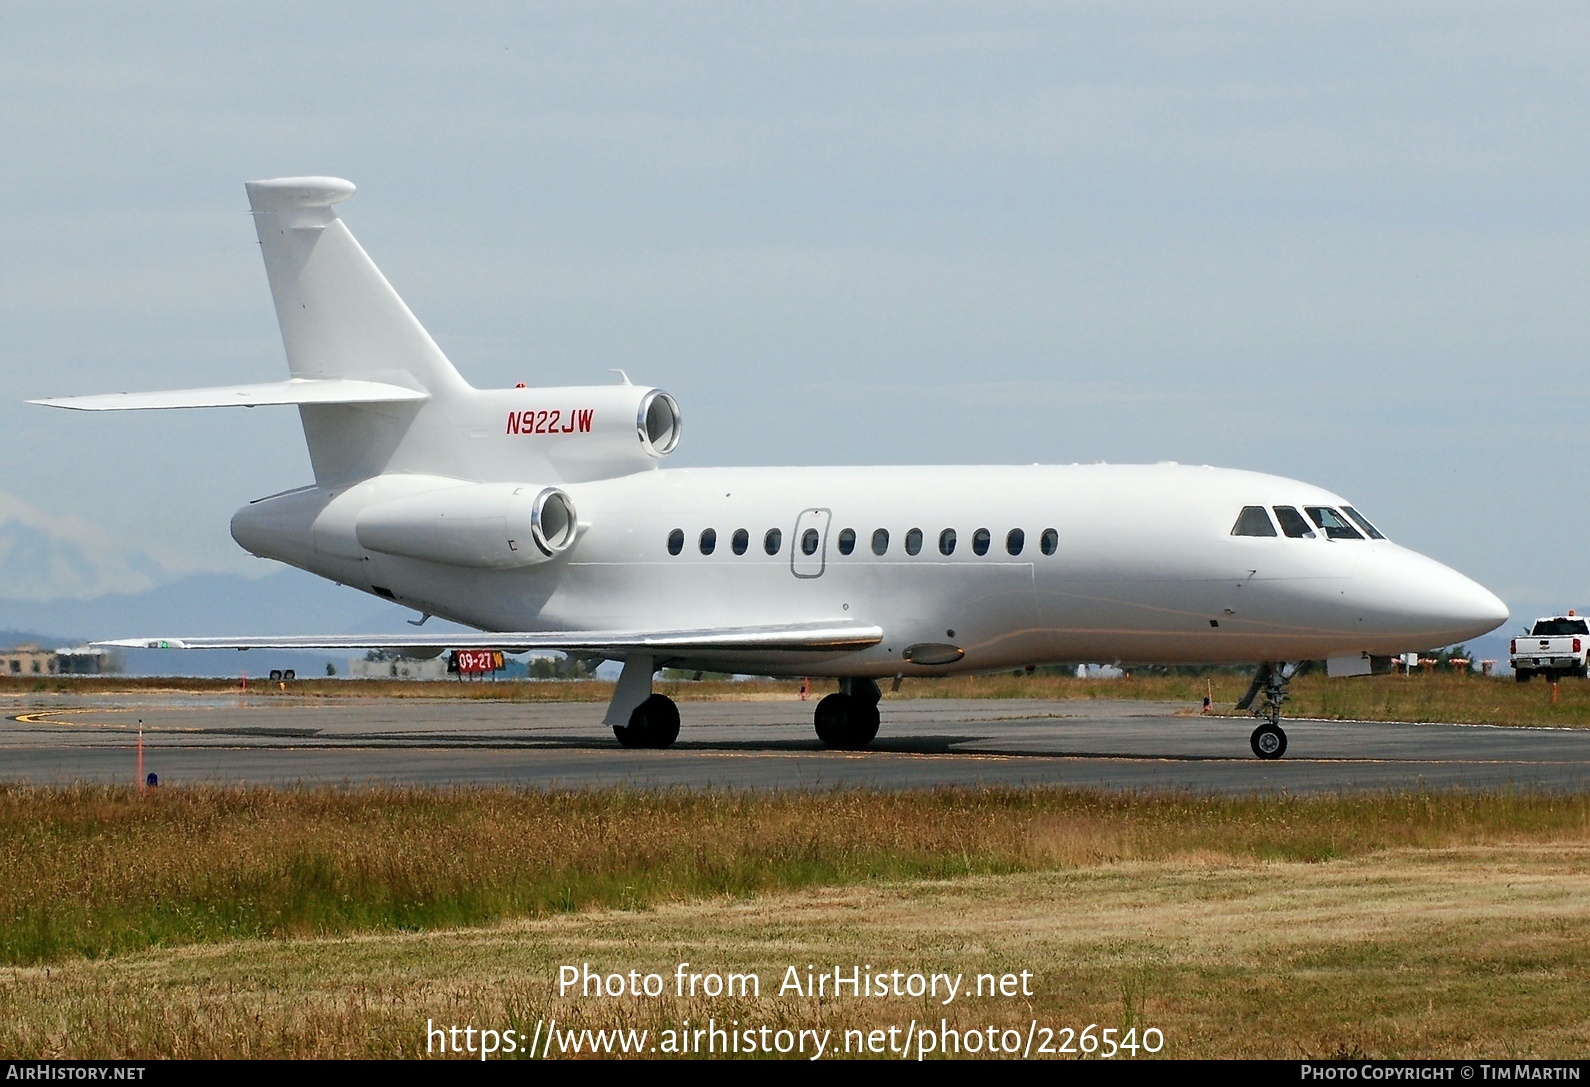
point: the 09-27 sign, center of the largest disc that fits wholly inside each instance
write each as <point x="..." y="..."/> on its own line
<point x="475" y="661"/>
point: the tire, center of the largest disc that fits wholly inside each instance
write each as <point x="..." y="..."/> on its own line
<point x="276" y="675"/>
<point x="289" y="674"/>
<point x="867" y="727"/>
<point x="1268" y="741"/>
<point x="1522" y="675"/>
<point x="652" y="724"/>
<point x="845" y="723"/>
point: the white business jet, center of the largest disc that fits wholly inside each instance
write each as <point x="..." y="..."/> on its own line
<point x="541" y="517"/>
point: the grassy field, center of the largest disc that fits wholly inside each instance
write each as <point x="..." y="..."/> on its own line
<point x="1462" y="952"/>
<point x="258" y="922"/>
<point x="1437" y="697"/>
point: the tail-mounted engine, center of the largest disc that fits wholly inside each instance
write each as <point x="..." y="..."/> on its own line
<point x="582" y="433"/>
<point x="482" y="525"/>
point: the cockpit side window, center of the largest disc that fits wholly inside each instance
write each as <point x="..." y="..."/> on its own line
<point x="1292" y="523"/>
<point x="1334" y="524"/>
<point x="1363" y="522"/>
<point x="1253" y="521"/>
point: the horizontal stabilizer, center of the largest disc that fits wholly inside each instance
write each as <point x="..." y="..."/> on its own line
<point x="839" y="636"/>
<point x="294" y="391"/>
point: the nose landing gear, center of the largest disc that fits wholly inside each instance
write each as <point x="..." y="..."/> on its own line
<point x="1269" y="739"/>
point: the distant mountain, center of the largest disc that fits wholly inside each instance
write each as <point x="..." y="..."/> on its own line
<point x="12" y="638"/>
<point x="51" y="558"/>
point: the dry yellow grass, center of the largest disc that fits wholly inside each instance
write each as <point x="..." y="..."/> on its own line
<point x="1472" y="951"/>
<point x="101" y="870"/>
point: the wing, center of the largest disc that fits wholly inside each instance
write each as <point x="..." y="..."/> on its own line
<point x="295" y="391"/>
<point x="819" y="637"/>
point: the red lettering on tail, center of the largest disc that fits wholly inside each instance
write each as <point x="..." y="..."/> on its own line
<point x="531" y="421"/>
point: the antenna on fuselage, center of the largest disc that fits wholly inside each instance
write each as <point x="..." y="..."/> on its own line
<point x="620" y="373"/>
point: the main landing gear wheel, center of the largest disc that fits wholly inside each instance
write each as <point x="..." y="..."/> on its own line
<point x="1268" y="741"/>
<point x="654" y="723"/>
<point x="846" y="722"/>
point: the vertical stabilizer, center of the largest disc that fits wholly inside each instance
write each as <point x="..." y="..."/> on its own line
<point x="339" y="315"/>
<point x="340" y="318"/>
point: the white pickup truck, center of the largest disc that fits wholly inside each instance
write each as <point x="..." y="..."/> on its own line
<point x="1557" y="646"/>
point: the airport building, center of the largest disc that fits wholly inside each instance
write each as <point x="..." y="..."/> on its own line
<point x="402" y="668"/>
<point x="30" y="660"/>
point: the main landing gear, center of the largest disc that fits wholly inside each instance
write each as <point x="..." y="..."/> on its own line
<point x="639" y="717"/>
<point x="848" y="721"/>
<point x="1269" y="739"/>
<point x="653" y="723"/>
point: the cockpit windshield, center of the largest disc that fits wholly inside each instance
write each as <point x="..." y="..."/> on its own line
<point x="1556" y="628"/>
<point x="1253" y="521"/>
<point x="1363" y="522"/>
<point x="1333" y="523"/>
<point x="1292" y="523"/>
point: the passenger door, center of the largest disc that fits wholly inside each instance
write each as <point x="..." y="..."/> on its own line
<point x="808" y="550"/>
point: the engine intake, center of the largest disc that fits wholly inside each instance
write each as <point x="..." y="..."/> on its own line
<point x="658" y="423"/>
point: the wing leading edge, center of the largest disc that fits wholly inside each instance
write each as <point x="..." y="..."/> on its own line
<point x="837" y="636"/>
<point x="294" y="391"/>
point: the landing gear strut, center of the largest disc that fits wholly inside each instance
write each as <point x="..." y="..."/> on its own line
<point x="1269" y="739"/>
<point x="848" y="721"/>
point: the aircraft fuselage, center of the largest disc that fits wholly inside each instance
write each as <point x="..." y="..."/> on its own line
<point x="1139" y="566"/>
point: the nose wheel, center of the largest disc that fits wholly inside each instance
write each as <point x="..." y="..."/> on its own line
<point x="1268" y="741"/>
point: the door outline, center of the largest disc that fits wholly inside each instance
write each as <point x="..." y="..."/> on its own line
<point x="813" y="565"/>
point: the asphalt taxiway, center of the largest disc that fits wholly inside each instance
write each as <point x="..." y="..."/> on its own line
<point x="756" y="745"/>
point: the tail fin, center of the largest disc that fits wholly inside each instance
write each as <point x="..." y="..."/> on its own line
<point x="340" y="318"/>
<point x="339" y="315"/>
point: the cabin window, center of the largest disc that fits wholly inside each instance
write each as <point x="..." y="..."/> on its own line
<point x="709" y="540"/>
<point x="947" y="542"/>
<point x="880" y="542"/>
<point x="847" y="540"/>
<point x="1292" y="523"/>
<point x="809" y="541"/>
<point x="980" y="541"/>
<point x="913" y="542"/>
<point x="1015" y="540"/>
<point x="1334" y="524"/>
<point x="772" y="541"/>
<point x="1253" y="521"/>
<point x="1363" y="522"/>
<point x="740" y="541"/>
<point x="1049" y="542"/>
<point x="676" y="541"/>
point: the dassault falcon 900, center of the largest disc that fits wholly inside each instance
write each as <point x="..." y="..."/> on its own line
<point x="541" y="517"/>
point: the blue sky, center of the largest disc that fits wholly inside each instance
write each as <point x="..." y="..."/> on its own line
<point x="1332" y="242"/>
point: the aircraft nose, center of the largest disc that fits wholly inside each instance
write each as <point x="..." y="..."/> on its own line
<point x="1433" y="604"/>
<point x="1472" y="606"/>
